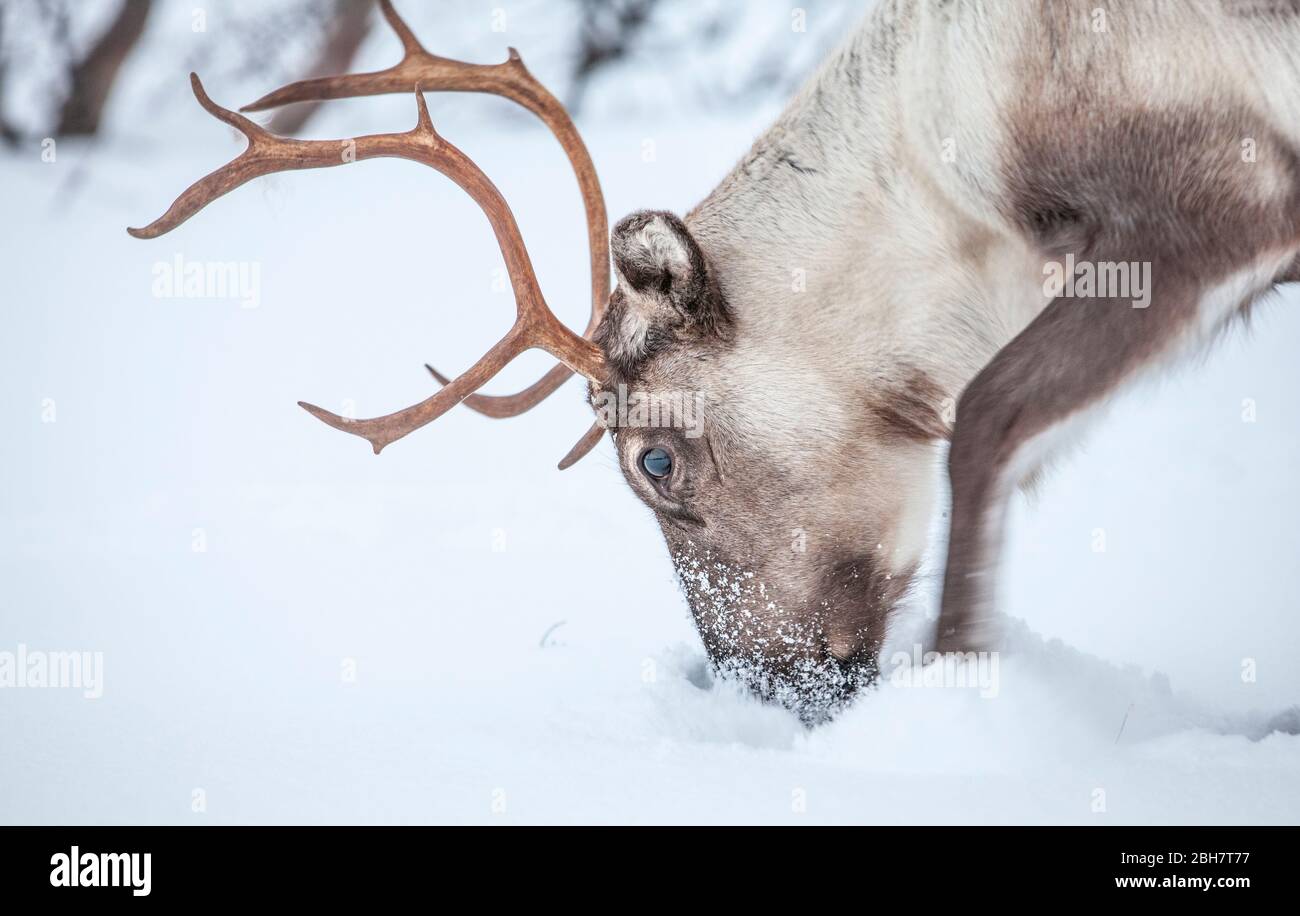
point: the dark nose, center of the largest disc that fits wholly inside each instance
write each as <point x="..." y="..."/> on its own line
<point x="813" y="686"/>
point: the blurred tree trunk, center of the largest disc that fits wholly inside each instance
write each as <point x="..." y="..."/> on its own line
<point x="93" y="76"/>
<point x="8" y="133"/>
<point x="348" y="26"/>
<point x="609" y="30"/>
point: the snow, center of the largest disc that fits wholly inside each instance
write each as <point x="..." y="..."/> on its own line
<point x="521" y="653"/>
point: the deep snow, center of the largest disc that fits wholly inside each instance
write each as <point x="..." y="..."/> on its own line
<point x="520" y="650"/>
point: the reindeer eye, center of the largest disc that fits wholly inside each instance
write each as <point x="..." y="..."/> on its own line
<point x="657" y="463"/>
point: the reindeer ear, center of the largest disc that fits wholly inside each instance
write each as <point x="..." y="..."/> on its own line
<point x="665" y="292"/>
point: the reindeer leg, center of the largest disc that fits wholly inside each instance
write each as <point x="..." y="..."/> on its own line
<point x="1162" y="189"/>
<point x="1069" y="359"/>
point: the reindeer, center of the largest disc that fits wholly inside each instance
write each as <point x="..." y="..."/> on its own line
<point x="883" y="254"/>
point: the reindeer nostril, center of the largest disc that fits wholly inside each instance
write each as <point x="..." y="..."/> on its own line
<point x="843" y="647"/>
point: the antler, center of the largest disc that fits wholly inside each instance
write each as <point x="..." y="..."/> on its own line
<point x="535" y="324"/>
<point x="510" y="80"/>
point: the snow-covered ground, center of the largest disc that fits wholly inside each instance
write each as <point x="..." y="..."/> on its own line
<point x="294" y="630"/>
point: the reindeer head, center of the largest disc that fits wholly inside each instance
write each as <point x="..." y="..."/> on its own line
<point x="776" y="475"/>
<point x="781" y="483"/>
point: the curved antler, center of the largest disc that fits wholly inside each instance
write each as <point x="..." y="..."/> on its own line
<point x="510" y="80"/>
<point x="535" y="325"/>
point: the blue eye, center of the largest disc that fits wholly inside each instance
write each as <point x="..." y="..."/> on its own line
<point x="657" y="463"/>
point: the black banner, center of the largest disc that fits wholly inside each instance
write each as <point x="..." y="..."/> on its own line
<point x="210" y="864"/>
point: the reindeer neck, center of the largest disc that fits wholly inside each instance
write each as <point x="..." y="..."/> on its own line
<point x="845" y="231"/>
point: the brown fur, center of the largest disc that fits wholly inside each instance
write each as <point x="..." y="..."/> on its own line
<point x="912" y="409"/>
<point x="1166" y="188"/>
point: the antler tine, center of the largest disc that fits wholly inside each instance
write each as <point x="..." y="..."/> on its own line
<point x="535" y="325"/>
<point x="257" y="159"/>
<point x="582" y="446"/>
<point x="510" y="80"/>
<point x="501" y="406"/>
